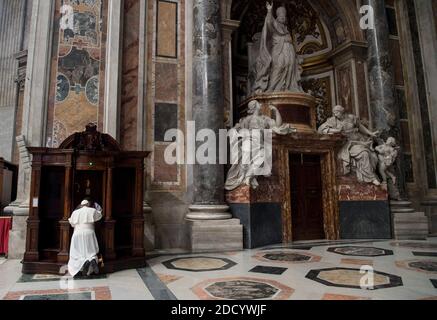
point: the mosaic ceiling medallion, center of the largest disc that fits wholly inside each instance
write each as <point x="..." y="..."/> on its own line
<point x="354" y="279"/>
<point x="427" y="266"/>
<point x="287" y="257"/>
<point x="415" y="245"/>
<point x="361" y="251"/>
<point x="199" y="264"/>
<point x="242" y="288"/>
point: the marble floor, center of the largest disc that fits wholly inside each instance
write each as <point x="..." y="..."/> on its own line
<point x="359" y="270"/>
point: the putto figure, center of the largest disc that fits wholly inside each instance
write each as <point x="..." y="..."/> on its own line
<point x="277" y="68"/>
<point x="247" y="141"/>
<point x="358" y="153"/>
<point x="387" y="155"/>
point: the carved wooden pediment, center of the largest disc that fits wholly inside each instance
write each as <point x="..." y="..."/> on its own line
<point x="90" y="140"/>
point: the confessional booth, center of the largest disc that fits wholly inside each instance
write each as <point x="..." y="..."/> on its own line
<point x="86" y="165"/>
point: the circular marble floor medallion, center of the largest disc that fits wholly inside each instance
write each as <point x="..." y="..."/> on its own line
<point x="358" y="251"/>
<point x="199" y="264"/>
<point x="352" y="278"/>
<point x="427" y="266"/>
<point x="287" y="257"/>
<point x="415" y="245"/>
<point x="242" y="288"/>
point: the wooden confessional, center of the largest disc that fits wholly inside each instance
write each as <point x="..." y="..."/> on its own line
<point x="87" y="164"/>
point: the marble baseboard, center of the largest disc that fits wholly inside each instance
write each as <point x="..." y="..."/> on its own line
<point x="365" y="220"/>
<point x="262" y="223"/>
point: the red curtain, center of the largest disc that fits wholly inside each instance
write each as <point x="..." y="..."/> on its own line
<point x="5" y="226"/>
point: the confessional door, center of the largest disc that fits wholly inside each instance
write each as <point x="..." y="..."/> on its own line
<point x="90" y="184"/>
<point x="306" y="197"/>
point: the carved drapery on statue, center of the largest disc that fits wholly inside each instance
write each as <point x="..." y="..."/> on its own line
<point x="277" y="67"/>
<point x="259" y="152"/>
<point x="359" y="154"/>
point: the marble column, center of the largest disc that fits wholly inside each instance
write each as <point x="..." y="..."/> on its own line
<point x="210" y="225"/>
<point x="34" y="115"/>
<point x="384" y="110"/>
<point x="208" y="110"/>
<point x="228" y="28"/>
<point x="111" y="124"/>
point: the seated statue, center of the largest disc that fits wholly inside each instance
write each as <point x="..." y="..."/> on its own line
<point x="358" y="153"/>
<point x="244" y="172"/>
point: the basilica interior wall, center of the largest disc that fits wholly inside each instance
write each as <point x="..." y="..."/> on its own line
<point x="165" y="104"/>
<point x="155" y="83"/>
<point x="77" y="73"/>
<point x="12" y="22"/>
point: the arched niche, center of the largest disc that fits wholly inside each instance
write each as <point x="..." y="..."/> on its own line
<point x="326" y="34"/>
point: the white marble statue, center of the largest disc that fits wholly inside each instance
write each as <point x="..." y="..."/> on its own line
<point x="277" y="67"/>
<point x="243" y="137"/>
<point x="358" y="153"/>
<point x="387" y="155"/>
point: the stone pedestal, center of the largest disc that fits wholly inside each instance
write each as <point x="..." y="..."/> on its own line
<point x="17" y="236"/>
<point x="364" y="210"/>
<point x="297" y="109"/>
<point x="149" y="228"/>
<point x="430" y="208"/>
<point x="260" y="212"/>
<point x="407" y="223"/>
<point x="215" y="235"/>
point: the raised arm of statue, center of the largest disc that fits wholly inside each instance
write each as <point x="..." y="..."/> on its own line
<point x="269" y="17"/>
<point x="278" y="117"/>
<point x="366" y="131"/>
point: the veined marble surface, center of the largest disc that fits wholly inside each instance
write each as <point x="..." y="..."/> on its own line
<point x="322" y="270"/>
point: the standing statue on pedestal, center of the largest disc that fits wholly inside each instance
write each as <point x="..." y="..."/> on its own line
<point x="358" y="152"/>
<point x="250" y="146"/>
<point x="277" y="68"/>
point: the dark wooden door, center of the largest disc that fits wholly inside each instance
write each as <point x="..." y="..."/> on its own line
<point x="306" y="197"/>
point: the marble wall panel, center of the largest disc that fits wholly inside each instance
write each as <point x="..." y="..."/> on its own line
<point x="345" y="95"/>
<point x="363" y="101"/>
<point x="167" y="29"/>
<point x="351" y="190"/>
<point x="166" y="86"/>
<point x="77" y="67"/>
<point x="165" y="98"/>
<point x="166" y="118"/>
<point x="164" y="172"/>
<point x="397" y="62"/>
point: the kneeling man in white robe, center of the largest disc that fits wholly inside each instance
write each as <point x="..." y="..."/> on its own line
<point x="84" y="247"/>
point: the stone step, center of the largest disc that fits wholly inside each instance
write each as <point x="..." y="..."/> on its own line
<point x="410" y="237"/>
<point x="409" y="215"/>
<point x="395" y="203"/>
<point x="402" y="210"/>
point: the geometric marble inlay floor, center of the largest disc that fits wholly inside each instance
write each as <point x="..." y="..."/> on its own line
<point x="341" y="270"/>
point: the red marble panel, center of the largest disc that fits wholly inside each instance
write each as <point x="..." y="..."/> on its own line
<point x="351" y="190"/>
<point x="163" y="172"/>
<point x="166" y="89"/>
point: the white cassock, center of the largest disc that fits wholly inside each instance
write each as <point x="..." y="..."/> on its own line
<point x="84" y="246"/>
